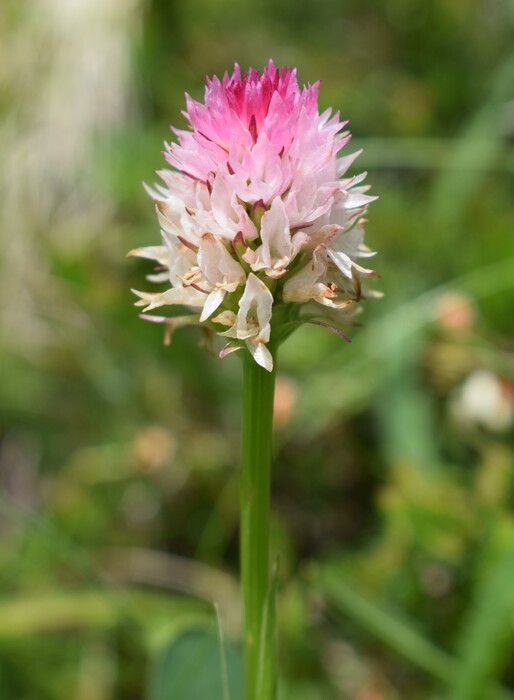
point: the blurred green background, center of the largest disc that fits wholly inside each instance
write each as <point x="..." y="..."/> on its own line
<point x="393" y="477"/>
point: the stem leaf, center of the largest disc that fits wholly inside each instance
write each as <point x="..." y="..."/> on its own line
<point x="190" y="668"/>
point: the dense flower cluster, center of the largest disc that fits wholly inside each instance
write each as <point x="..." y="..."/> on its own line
<point x="258" y="215"/>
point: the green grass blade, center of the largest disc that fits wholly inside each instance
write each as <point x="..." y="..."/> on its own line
<point x="487" y="639"/>
<point x="397" y="633"/>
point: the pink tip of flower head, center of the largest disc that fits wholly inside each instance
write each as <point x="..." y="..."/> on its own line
<point x="260" y="212"/>
<point x="265" y="109"/>
<point x="250" y="96"/>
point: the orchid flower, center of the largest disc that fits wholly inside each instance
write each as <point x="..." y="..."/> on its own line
<point x="258" y="214"/>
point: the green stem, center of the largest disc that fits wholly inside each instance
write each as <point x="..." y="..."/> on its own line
<point x="257" y="420"/>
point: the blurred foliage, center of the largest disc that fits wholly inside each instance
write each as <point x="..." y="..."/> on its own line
<point x="393" y="480"/>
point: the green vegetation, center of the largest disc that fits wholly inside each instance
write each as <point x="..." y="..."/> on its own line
<point x="393" y="477"/>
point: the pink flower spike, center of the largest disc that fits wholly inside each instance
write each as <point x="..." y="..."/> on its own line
<point x="258" y="213"/>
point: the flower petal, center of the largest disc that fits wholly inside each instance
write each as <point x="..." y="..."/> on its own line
<point x="254" y="316"/>
<point x="212" y="302"/>
<point x="306" y="284"/>
<point x="216" y="263"/>
<point x="176" y="295"/>
<point x="260" y="354"/>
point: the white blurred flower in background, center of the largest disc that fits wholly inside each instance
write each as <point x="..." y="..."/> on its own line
<point x="485" y="401"/>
